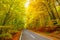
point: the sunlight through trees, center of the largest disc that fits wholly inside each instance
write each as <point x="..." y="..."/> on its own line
<point x="38" y="15"/>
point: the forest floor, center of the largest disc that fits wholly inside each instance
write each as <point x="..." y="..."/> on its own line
<point x="17" y="36"/>
<point x="55" y="34"/>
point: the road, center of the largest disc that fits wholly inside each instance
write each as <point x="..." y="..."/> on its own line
<point x="28" y="35"/>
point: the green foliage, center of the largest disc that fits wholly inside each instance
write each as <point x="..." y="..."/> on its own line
<point x="6" y="35"/>
<point x="11" y="17"/>
<point x="5" y="31"/>
<point x="12" y="12"/>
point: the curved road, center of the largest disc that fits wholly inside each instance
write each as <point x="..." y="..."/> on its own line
<point x="28" y="35"/>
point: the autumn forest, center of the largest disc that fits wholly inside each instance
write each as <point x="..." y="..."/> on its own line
<point x="40" y="16"/>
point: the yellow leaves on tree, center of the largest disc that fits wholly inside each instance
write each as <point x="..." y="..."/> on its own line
<point x="36" y="9"/>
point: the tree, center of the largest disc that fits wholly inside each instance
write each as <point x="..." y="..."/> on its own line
<point x="11" y="9"/>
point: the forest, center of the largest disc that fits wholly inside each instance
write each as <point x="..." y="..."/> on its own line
<point x="35" y="15"/>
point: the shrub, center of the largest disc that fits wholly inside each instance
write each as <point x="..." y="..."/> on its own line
<point x="6" y="32"/>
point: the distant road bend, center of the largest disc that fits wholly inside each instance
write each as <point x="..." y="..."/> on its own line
<point x="28" y="35"/>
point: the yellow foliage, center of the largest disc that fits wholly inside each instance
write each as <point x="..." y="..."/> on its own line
<point x="41" y="9"/>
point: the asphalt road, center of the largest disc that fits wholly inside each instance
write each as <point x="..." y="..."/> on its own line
<point x="28" y="35"/>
